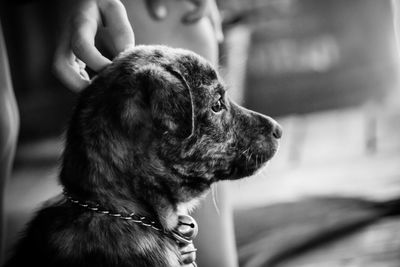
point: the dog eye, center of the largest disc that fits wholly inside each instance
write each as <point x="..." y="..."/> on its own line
<point x="218" y="106"/>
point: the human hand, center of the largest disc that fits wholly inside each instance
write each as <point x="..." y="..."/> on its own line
<point x="158" y="10"/>
<point x="200" y="8"/>
<point x="76" y="48"/>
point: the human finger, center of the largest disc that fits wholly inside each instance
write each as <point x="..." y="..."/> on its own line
<point x="197" y="13"/>
<point x="65" y="67"/>
<point x="157" y="9"/>
<point x="115" y="19"/>
<point x="216" y="21"/>
<point x="84" y="29"/>
<point x="71" y="74"/>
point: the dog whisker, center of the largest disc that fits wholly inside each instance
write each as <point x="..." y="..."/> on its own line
<point x="214" y="193"/>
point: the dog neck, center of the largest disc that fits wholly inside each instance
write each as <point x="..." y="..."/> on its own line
<point x="90" y="177"/>
<point x="169" y="223"/>
<point x="164" y="214"/>
<point x="119" y="198"/>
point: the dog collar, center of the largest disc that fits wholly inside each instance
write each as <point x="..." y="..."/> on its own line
<point x="183" y="234"/>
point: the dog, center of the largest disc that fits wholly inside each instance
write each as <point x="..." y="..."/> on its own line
<point x="149" y="136"/>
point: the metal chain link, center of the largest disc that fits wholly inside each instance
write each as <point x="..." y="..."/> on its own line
<point x="141" y="220"/>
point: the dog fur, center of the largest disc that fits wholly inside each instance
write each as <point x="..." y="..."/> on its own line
<point x="151" y="133"/>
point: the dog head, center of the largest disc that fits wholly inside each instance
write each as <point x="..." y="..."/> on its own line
<point x="158" y="121"/>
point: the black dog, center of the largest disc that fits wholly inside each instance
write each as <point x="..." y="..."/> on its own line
<point x="151" y="133"/>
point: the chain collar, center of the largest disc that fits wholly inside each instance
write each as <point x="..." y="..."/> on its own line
<point x="133" y="217"/>
<point x="136" y="218"/>
<point x="175" y="235"/>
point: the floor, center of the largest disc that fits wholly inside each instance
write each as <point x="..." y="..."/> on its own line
<point x="329" y="155"/>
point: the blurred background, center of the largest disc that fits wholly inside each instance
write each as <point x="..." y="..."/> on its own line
<point x="328" y="71"/>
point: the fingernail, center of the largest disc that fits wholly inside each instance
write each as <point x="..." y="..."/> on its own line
<point x="160" y="11"/>
<point x="219" y="36"/>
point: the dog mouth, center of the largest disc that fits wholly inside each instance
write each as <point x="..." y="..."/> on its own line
<point x="247" y="164"/>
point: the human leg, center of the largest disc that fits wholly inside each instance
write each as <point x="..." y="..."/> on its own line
<point x="9" y="124"/>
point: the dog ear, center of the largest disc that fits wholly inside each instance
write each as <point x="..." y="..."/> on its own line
<point x="170" y="99"/>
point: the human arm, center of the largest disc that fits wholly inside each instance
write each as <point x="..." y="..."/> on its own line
<point x="77" y="48"/>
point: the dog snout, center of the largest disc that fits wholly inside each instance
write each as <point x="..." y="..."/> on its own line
<point x="253" y="119"/>
<point x="276" y="130"/>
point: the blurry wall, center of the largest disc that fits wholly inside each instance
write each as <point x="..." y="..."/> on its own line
<point x="302" y="56"/>
<point x="30" y="29"/>
<point x="308" y="55"/>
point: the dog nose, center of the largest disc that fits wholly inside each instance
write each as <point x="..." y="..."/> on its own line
<point x="277" y="131"/>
